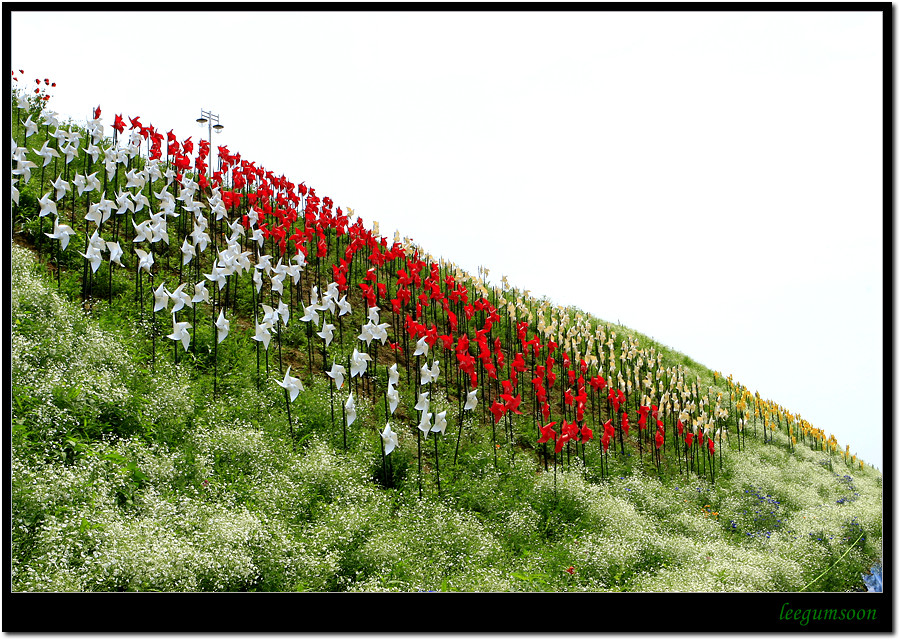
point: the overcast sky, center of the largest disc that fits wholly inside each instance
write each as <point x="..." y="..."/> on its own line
<point x="711" y="179"/>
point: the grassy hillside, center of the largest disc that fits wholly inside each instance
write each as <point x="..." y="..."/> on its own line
<point x="139" y="464"/>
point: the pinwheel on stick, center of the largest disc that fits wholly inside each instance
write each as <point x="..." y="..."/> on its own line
<point x="292" y="387"/>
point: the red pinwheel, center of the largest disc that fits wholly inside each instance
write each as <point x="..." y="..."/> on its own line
<point x="119" y="124"/>
<point x="586" y="433"/>
<point x="547" y="433"/>
<point x="545" y="410"/>
<point x="598" y="383"/>
<point x="512" y="403"/>
<point x="519" y="363"/>
<point x="625" y="424"/>
<point x="563" y="439"/>
<point x="498" y="409"/>
<point x="570" y="429"/>
<point x="608" y="432"/>
<point x="97" y="112"/>
<point x="642" y="419"/>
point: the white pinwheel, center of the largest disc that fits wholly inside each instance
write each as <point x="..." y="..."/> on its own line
<point x="180" y="332"/>
<point x="429" y="375"/>
<point x="145" y="259"/>
<point x="97" y="213"/>
<point x="134" y="179"/>
<point x="389" y="438"/>
<point x="264" y="263"/>
<point x="393" y="375"/>
<point x="115" y="252"/>
<point x="48" y="206"/>
<point x="440" y="422"/>
<point x="471" y="400"/>
<point x="124" y="202"/>
<point x="329" y="297"/>
<point x="262" y="334"/>
<point x="295" y="271"/>
<point x="269" y="315"/>
<point x="284" y="311"/>
<point x="23" y="168"/>
<point x="373" y="314"/>
<point x="70" y="151"/>
<point x="47" y="153"/>
<point x="200" y="293"/>
<point x="421" y="348"/>
<point x="277" y="282"/>
<point x="160" y="298"/>
<point x="379" y="332"/>
<point x="217" y="276"/>
<point x="423" y="402"/>
<point x="257" y="281"/>
<point x="291" y="384"/>
<point x="311" y="314"/>
<point x="358" y="363"/>
<point x="187" y="252"/>
<point x="93" y="151"/>
<point x="140" y="201"/>
<point x="425" y="423"/>
<point x="61" y="186"/>
<point x="337" y="374"/>
<point x="180" y="298"/>
<point x="142" y="231"/>
<point x="92" y="182"/>
<point x="327" y="333"/>
<point x="366" y="334"/>
<point x="94" y="257"/>
<point x="30" y="127"/>
<point x="393" y="397"/>
<point x="343" y="306"/>
<point x="350" y="409"/>
<point x="222" y="327"/>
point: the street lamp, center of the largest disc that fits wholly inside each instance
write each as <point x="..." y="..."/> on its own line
<point x="207" y="116"/>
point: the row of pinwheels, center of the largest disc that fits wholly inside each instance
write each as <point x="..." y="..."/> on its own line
<point x="256" y="219"/>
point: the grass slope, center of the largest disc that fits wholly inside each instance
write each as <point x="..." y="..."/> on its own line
<point x="127" y="474"/>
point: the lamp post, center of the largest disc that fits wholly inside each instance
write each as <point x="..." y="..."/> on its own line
<point x="209" y="117"/>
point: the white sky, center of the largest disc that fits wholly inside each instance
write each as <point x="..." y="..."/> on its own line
<point x="711" y="179"/>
